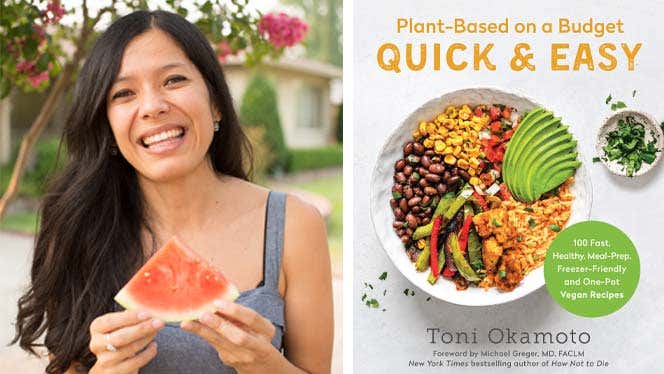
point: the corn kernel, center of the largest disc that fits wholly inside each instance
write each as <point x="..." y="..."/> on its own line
<point x="440" y="118"/>
<point x="472" y="172"/>
<point x="462" y="164"/>
<point x="448" y="150"/>
<point x="451" y="112"/>
<point x="465" y="113"/>
<point x="431" y="128"/>
<point x="450" y="160"/>
<point x="457" y="151"/>
<point x="474" y="162"/>
<point x="428" y="143"/>
<point x="456" y="141"/>
<point x="421" y="243"/>
<point x="475" y="181"/>
<point x="422" y="126"/>
<point x="439" y="146"/>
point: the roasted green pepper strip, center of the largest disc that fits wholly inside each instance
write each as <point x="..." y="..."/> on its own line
<point x="475" y="250"/>
<point x="460" y="261"/>
<point x="443" y="205"/>
<point x="422" y="262"/>
<point x="441" y="260"/>
<point x="454" y="207"/>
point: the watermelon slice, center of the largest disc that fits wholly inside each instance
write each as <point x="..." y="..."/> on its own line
<point x="176" y="284"/>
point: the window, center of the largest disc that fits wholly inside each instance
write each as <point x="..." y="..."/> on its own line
<point x="309" y="111"/>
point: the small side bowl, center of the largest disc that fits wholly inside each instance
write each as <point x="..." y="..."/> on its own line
<point x="611" y="124"/>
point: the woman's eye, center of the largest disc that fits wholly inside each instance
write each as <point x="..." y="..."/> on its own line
<point x="123" y="93"/>
<point x="175" y="79"/>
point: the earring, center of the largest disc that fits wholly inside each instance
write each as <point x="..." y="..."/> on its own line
<point x="216" y="126"/>
<point x="114" y="150"/>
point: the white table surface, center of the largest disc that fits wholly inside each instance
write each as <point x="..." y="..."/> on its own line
<point x="633" y="337"/>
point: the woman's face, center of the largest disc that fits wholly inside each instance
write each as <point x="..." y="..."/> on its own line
<point x="159" y="109"/>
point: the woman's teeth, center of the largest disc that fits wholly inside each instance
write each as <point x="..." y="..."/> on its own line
<point x="147" y="141"/>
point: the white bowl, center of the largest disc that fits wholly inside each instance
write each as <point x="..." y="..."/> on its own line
<point x="611" y="124"/>
<point x="381" y="192"/>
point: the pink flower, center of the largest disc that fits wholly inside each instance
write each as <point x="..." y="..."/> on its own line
<point x="223" y="50"/>
<point x="282" y="30"/>
<point x="36" y="79"/>
<point x="25" y="66"/>
<point x="53" y="13"/>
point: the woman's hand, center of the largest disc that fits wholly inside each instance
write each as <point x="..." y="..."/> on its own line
<point x="129" y="332"/>
<point x="241" y="336"/>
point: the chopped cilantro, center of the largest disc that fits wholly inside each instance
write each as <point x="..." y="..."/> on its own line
<point x="596" y="159"/>
<point x="373" y="303"/>
<point x="396" y="195"/>
<point x="429" y="298"/>
<point x="618" y="105"/>
<point x="384" y="292"/>
<point x="412" y="293"/>
<point x="608" y="99"/>
<point x="383" y="276"/>
<point x="633" y="93"/>
<point x="519" y="238"/>
<point x="532" y="223"/>
<point x="364" y="297"/>
<point x="496" y="223"/>
<point x="554" y="228"/>
<point x="502" y="273"/>
<point x="405" y="292"/>
<point x="627" y="146"/>
<point x="528" y="209"/>
<point x="536" y="257"/>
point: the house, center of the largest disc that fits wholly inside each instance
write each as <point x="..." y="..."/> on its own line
<point x="308" y="96"/>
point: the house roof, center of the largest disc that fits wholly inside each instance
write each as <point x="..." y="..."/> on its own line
<point x="301" y="65"/>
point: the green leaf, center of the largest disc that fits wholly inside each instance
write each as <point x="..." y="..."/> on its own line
<point x="42" y="62"/>
<point x="5" y="87"/>
<point x="383" y="276"/>
<point x="608" y="99"/>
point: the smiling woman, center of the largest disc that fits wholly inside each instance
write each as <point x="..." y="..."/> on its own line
<point x="155" y="151"/>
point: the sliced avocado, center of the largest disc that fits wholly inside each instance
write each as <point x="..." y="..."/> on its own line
<point x="566" y="170"/>
<point x="531" y="140"/>
<point x="517" y="142"/>
<point x="538" y="141"/>
<point x="548" y="170"/>
<point x="534" y="117"/>
<point x="563" y="146"/>
<point x="563" y="152"/>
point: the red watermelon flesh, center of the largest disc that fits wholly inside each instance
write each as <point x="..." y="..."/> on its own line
<point x="176" y="284"/>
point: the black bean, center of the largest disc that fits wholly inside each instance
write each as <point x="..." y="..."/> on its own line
<point x="393" y="203"/>
<point x="429" y="152"/>
<point x="464" y="174"/>
<point x="408" y="192"/>
<point x="403" y="204"/>
<point x="453" y="180"/>
<point x="412" y="221"/>
<point x="430" y="191"/>
<point x="414" y="201"/>
<point x="397" y="224"/>
<point x="418" y="148"/>
<point x="399" y="165"/>
<point x="408" y="148"/>
<point x="423" y="183"/>
<point x="400" y="177"/>
<point x="436" y="168"/>
<point x="426" y="161"/>
<point x="433" y="178"/>
<point x="441" y="188"/>
<point x="398" y="214"/>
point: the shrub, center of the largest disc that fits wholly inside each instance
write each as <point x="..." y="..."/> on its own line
<point x="315" y="158"/>
<point x="35" y="179"/>
<point x="261" y="152"/>
<point x="259" y="108"/>
<point x="340" y="124"/>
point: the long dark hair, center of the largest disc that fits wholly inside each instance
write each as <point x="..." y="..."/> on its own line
<point x="89" y="243"/>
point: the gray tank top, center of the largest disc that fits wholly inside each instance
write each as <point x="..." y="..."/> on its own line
<point x="182" y="352"/>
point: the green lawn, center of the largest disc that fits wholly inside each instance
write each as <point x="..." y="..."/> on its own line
<point x="25" y="222"/>
<point x="332" y="188"/>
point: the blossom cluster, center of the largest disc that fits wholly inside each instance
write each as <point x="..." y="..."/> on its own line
<point x="282" y="30"/>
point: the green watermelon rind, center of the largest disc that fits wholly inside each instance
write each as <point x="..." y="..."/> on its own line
<point x="129" y="303"/>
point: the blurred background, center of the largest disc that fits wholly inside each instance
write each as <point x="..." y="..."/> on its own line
<point x="282" y="60"/>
